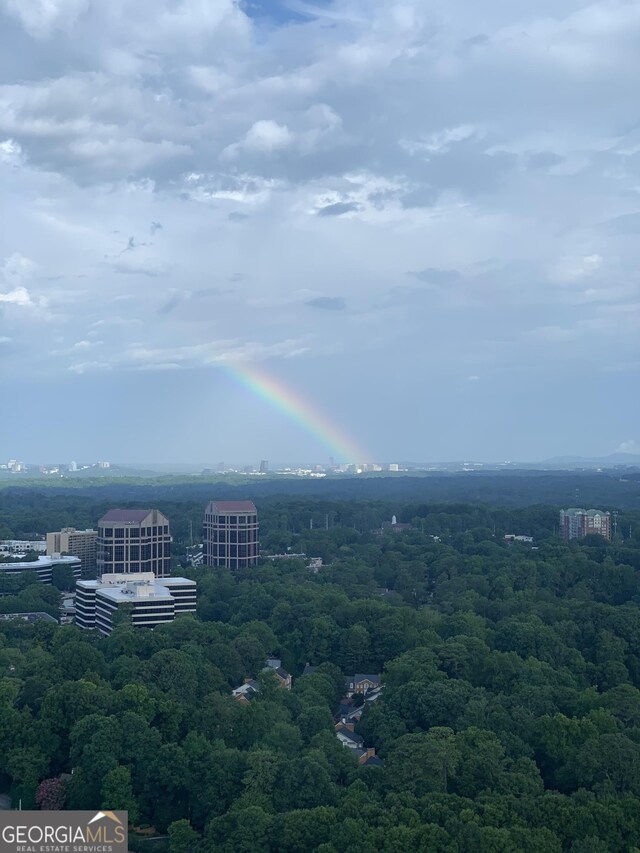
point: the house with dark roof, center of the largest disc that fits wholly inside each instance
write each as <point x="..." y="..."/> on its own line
<point x="361" y="683"/>
<point x="274" y="665"/>
<point x="246" y="692"/>
<point x="347" y="736"/>
<point x="371" y="760"/>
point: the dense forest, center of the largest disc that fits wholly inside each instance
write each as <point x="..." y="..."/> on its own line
<point x="509" y="718"/>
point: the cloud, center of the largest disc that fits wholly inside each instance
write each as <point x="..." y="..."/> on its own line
<point x="628" y="446"/>
<point x="17" y="268"/>
<point x="626" y="223"/>
<point x="171" y="304"/>
<point x="339" y="208"/>
<point x="189" y="178"/>
<point x="440" y="141"/>
<point x="40" y="17"/>
<point x="263" y="137"/>
<point x="437" y="277"/>
<point x="328" y="303"/>
<point x="17" y="296"/>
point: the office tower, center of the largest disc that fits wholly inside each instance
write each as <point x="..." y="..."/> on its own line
<point x="73" y="466"/>
<point x="76" y="543"/>
<point x="231" y="535"/>
<point x="264" y="466"/>
<point x="134" y="540"/>
<point x="576" y="523"/>
<point x="152" y="601"/>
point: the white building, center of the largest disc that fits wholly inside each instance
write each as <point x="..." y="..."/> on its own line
<point x="152" y="600"/>
<point x="23" y="546"/>
<point x="43" y="567"/>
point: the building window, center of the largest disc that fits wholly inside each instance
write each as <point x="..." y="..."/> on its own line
<point x="119" y="532"/>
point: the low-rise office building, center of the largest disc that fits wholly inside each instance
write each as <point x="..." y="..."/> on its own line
<point x="23" y="546"/>
<point x="149" y="601"/>
<point x="76" y="543"/>
<point x="43" y="567"/>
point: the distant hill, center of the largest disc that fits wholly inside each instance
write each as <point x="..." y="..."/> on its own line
<point x="628" y="459"/>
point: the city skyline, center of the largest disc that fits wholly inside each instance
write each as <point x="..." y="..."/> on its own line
<point x="420" y="224"/>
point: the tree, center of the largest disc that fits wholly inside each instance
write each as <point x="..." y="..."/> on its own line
<point x="52" y="793"/>
<point x="424" y="763"/>
<point x="182" y="837"/>
<point x="62" y="577"/>
<point x="117" y="793"/>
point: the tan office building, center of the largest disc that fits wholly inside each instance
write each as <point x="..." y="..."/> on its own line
<point x="75" y="543"/>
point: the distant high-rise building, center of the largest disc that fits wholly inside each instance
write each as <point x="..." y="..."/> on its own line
<point x="576" y="523"/>
<point x="134" y="540"/>
<point x="221" y="467"/>
<point x="264" y="466"/>
<point x="231" y="534"/>
<point x="73" y="466"/>
<point x="76" y="543"/>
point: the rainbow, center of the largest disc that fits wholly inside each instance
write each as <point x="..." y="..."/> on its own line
<point x="299" y="410"/>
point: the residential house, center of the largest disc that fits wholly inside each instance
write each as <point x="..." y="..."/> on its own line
<point x="347" y="736"/>
<point x="361" y="683"/>
<point x="274" y="665"/>
<point x="246" y="692"/>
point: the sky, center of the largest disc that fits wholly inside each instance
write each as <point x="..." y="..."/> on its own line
<point x="419" y="218"/>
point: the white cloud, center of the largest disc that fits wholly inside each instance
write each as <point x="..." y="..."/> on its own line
<point x="10" y="152"/>
<point x="628" y="446"/>
<point x="40" y="17"/>
<point x="17" y="296"/>
<point x="330" y="157"/>
<point x="17" y="268"/>
<point x="264" y="137"/>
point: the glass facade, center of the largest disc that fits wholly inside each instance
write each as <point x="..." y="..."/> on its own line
<point x="231" y="538"/>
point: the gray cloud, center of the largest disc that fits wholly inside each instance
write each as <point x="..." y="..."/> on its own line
<point x="154" y="117"/>
<point x="438" y="277"/>
<point x="171" y="304"/>
<point x="338" y="208"/>
<point x="627" y="223"/>
<point x="328" y="303"/>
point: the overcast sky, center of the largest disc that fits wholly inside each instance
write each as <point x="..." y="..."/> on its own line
<point x="423" y="217"/>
